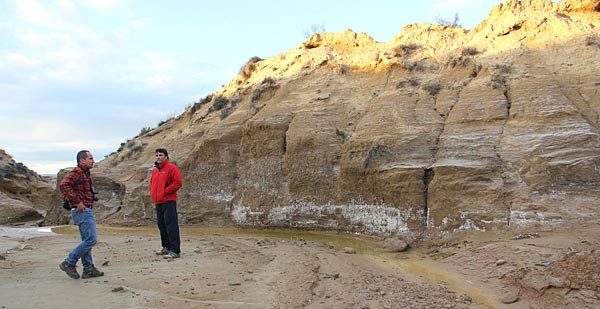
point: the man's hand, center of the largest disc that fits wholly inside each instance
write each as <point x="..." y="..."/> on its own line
<point x="80" y="207"/>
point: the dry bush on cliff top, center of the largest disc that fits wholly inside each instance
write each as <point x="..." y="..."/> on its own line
<point x="404" y="50"/>
<point x="250" y="66"/>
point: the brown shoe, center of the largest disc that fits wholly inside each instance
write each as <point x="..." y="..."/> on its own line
<point x="91" y="272"/>
<point x="69" y="269"/>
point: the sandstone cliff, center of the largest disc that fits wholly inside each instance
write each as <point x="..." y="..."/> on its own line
<point x="24" y="195"/>
<point x="437" y="130"/>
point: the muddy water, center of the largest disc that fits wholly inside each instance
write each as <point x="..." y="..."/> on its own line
<point x="417" y="264"/>
<point x="410" y="262"/>
<point x="361" y="244"/>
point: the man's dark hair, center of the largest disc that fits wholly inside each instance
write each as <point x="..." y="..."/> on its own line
<point x="163" y="151"/>
<point x="82" y="154"/>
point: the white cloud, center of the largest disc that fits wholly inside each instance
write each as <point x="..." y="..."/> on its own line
<point x="69" y="64"/>
<point x="154" y="71"/>
<point x="65" y="57"/>
<point x="130" y="28"/>
<point x="54" y="146"/>
<point x="63" y="50"/>
<point x="66" y="5"/>
<point x="103" y="4"/>
<point x="45" y="134"/>
<point x="43" y="130"/>
<point x="44" y="167"/>
<point x="6" y="27"/>
<point x="70" y="53"/>
<point x="160" y="81"/>
<point x="157" y="62"/>
<point x="19" y="61"/>
<point x="35" y="13"/>
<point x="35" y="39"/>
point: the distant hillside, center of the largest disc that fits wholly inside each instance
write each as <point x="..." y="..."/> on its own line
<point x="438" y="130"/>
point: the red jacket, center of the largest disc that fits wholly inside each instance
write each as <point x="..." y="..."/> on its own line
<point x="165" y="182"/>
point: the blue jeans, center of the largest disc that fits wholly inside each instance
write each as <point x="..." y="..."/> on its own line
<point x="166" y="219"/>
<point x="87" y="229"/>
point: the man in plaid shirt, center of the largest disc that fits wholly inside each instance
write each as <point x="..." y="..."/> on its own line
<point x="77" y="189"/>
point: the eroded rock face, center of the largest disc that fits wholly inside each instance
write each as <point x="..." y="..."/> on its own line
<point x="24" y="195"/>
<point x="438" y="130"/>
<point x="110" y="198"/>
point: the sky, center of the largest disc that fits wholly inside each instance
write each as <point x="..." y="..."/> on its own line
<point x="90" y="74"/>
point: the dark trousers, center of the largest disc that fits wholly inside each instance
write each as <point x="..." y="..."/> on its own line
<point x="166" y="219"/>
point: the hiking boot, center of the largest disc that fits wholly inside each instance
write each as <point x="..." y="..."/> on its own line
<point x="91" y="272"/>
<point x="69" y="269"/>
<point x="163" y="251"/>
<point x="171" y="255"/>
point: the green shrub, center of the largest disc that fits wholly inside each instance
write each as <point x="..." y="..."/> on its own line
<point x="503" y="68"/>
<point x="268" y="81"/>
<point x="15" y="168"/>
<point x="145" y="130"/>
<point x="433" y="87"/>
<point x="593" y="40"/>
<point x="470" y="51"/>
<point x="135" y="149"/>
<point x="6" y="170"/>
<point x="196" y="106"/>
<point x="220" y="102"/>
<point x="498" y="78"/>
<point x="413" y="66"/>
<point x="410" y="82"/>
<point x="404" y="50"/>
<point x="343" y="69"/>
<point x="225" y="112"/>
<point x="164" y="121"/>
<point x="256" y="95"/>
<point x="497" y="81"/>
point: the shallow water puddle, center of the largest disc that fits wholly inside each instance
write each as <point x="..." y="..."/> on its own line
<point x="410" y="262"/>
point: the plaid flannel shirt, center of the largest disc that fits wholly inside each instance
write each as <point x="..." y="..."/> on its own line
<point x="76" y="187"/>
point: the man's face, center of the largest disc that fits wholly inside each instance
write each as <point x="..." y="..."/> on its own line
<point x="88" y="161"/>
<point x="160" y="157"/>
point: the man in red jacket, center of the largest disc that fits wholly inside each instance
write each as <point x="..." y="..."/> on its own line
<point x="164" y="183"/>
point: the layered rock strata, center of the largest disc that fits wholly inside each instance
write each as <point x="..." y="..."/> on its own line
<point x="438" y="130"/>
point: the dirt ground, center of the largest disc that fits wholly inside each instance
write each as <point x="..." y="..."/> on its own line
<point x="226" y="268"/>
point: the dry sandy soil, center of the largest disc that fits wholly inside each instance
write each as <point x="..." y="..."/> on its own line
<point x="226" y="268"/>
